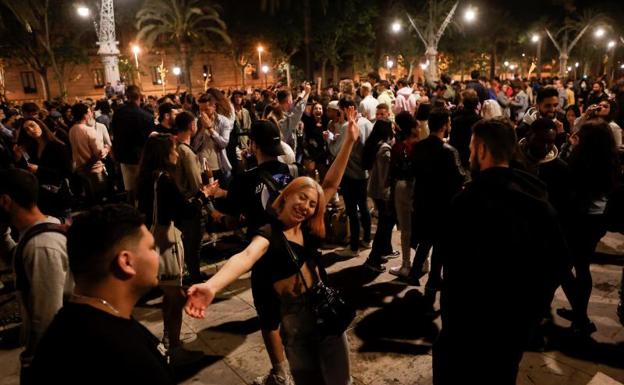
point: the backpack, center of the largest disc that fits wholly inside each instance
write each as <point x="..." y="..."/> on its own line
<point x="274" y="184"/>
<point x="21" y="280"/>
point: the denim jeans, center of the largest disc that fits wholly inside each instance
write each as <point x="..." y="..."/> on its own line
<point x="313" y="359"/>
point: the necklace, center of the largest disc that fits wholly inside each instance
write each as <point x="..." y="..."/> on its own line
<point x="100" y="300"/>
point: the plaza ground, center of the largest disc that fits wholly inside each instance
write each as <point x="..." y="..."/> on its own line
<point x="390" y="340"/>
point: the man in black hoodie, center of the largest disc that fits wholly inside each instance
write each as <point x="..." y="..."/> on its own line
<point x="503" y="255"/>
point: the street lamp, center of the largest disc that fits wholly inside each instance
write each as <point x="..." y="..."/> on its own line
<point x="600" y="32"/>
<point x="265" y="71"/>
<point x="470" y="15"/>
<point x="611" y="44"/>
<point x="260" y="49"/>
<point x="135" y="50"/>
<point x="83" y="11"/>
<point x="105" y="32"/>
<point x="396" y="27"/>
<point x="177" y="71"/>
<point x="535" y="38"/>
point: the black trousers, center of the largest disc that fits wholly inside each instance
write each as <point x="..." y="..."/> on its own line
<point x="382" y="243"/>
<point x="354" y="194"/>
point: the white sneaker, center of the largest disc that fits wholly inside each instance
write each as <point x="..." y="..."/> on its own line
<point x="347" y="252"/>
<point x="274" y="379"/>
<point x="400" y="271"/>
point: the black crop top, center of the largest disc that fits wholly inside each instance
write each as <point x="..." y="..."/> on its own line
<point x="276" y="264"/>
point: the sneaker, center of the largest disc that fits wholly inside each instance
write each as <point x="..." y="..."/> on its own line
<point x="366" y="244"/>
<point x="274" y="379"/>
<point x="393" y="254"/>
<point x="400" y="271"/>
<point x="584" y="329"/>
<point x="376" y="267"/>
<point x="347" y="252"/>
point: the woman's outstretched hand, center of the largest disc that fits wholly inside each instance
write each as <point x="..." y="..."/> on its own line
<point x="198" y="298"/>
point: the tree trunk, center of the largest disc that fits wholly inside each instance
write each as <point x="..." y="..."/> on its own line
<point x="538" y="69"/>
<point x="45" y="83"/>
<point x="563" y="65"/>
<point x="242" y="72"/>
<point x="493" y="62"/>
<point x="324" y="72"/>
<point x="432" y="57"/>
<point x="307" y="25"/>
<point x="335" y="73"/>
<point x="186" y="63"/>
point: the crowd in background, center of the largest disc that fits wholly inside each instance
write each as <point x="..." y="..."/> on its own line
<point x="423" y="154"/>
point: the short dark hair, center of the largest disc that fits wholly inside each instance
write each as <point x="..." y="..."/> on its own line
<point x="79" y="110"/>
<point x="382" y="106"/>
<point x="163" y="109"/>
<point x="470" y="99"/>
<point x="282" y="96"/>
<point x="402" y="82"/>
<point x="438" y="117"/>
<point x="498" y="136"/>
<point x="183" y="120"/>
<point x="30" y="108"/>
<point x="546" y="92"/>
<point x="206" y="98"/>
<point x="21" y="186"/>
<point x="423" y="111"/>
<point x="345" y="103"/>
<point x="95" y="238"/>
<point x="133" y="93"/>
<point x="474" y="75"/>
<point x="406" y="121"/>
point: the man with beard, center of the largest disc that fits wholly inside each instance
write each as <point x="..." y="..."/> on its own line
<point x="40" y="259"/>
<point x="504" y="255"/>
<point x="113" y="258"/>
<point x="547" y="107"/>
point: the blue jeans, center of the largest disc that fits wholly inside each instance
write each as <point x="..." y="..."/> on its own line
<point x="313" y="359"/>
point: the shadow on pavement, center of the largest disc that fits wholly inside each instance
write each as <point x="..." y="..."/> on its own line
<point x="186" y="372"/>
<point x="587" y="349"/>
<point x="394" y="327"/>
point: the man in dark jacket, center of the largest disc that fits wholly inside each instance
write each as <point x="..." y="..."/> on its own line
<point x="504" y="254"/>
<point x="131" y="126"/>
<point x="438" y="176"/>
<point x="461" y="126"/>
<point x="474" y="84"/>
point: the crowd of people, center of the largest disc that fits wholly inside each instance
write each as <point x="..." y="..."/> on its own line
<point x="501" y="190"/>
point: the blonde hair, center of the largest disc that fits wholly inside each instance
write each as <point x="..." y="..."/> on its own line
<point x="316" y="222"/>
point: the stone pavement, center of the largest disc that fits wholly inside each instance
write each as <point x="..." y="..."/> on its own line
<point x="390" y="340"/>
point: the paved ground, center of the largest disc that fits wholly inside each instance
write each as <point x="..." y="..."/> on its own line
<point x="390" y="341"/>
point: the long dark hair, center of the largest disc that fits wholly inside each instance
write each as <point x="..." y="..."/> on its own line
<point x="154" y="159"/>
<point x="382" y="132"/>
<point x="29" y="143"/>
<point x="594" y="161"/>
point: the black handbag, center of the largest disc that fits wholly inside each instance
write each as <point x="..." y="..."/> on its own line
<point x="333" y="314"/>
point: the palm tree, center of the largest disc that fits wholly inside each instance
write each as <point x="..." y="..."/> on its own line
<point x="180" y="22"/>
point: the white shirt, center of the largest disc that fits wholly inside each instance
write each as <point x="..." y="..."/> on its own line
<point x="368" y="107"/>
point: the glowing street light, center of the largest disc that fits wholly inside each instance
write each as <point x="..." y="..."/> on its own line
<point x="535" y="38"/>
<point x="512" y="67"/>
<point x="389" y="63"/>
<point x="470" y="15"/>
<point x="177" y="71"/>
<point x="135" y="50"/>
<point x="611" y="44"/>
<point x="424" y="66"/>
<point x="83" y="11"/>
<point x="622" y="66"/>
<point x="265" y="71"/>
<point x="506" y="63"/>
<point x="577" y="64"/>
<point x="396" y="27"/>
<point x="569" y="69"/>
<point x="260" y="49"/>
<point x="600" y="32"/>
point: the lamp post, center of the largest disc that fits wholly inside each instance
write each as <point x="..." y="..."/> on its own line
<point x="611" y="45"/>
<point x="260" y="50"/>
<point x="136" y="50"/>
<point x="107" y="41"/>
<point x="389" y="65"/>
<point x="265" y="71"/>
<point x="537" y="39"/>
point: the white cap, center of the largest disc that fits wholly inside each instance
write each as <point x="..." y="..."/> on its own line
<point x="366" y="85"/>
<point x="333" y="105"/>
